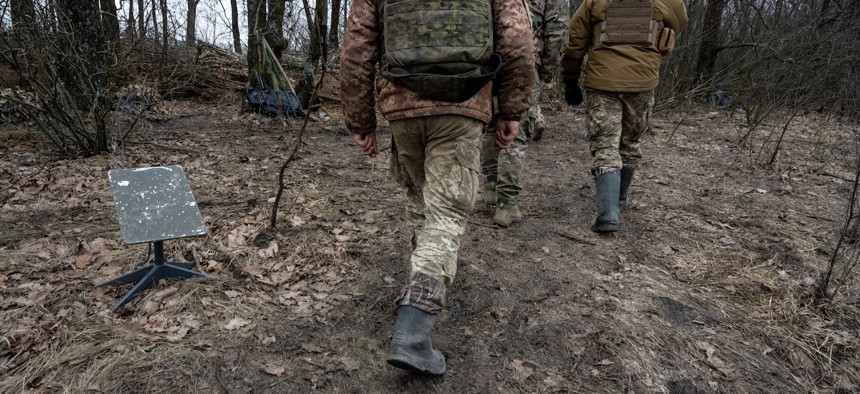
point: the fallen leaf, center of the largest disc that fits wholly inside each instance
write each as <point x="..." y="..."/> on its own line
<point x="274" y="369"/>
<point x="297" y="221"/>
<point x="523" y="371"/>
<point x="150" y="307"/>
<point x="161" y="295"/>
<point x="236" y="323"/>
<point x="269" y="251"/>
<point x="232" y="293"/>
<point x="605" y="361"/>
<point x="712" y="359"/>
<point x="84" y="260"/>
<point x="321" y="287"/>
<point x="350" y="364"/>
<point x="178" y="334"/>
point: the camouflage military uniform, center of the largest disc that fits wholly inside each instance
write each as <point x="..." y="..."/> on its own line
<point x="619" y="81"/>
<point x="615" y="123"/>
<point x="505" y="168"/>
<point x="619" y="77"/>
<point x="436" y="159"/>
<point x="435" y="144"/>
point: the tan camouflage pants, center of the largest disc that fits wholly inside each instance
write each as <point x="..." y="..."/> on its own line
<point x="437" y="160"/>
<point x="615" y="123"/>
<point x="506" y="167"/>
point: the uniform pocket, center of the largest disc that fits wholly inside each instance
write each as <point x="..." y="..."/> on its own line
<point x="398" y="173"/>
<point x="469" y="160"/>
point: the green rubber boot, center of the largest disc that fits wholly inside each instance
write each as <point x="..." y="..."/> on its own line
<point x="627" y="172"/>
<point x="607" y="182"/>
<point x="411" y="348"/>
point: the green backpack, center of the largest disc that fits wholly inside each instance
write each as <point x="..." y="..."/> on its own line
<point x="440" y="49"/>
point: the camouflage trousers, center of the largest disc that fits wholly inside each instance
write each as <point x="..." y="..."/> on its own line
<point x="437" y="160"/>
<point x="615" y="123"/>
<point x="506" y="167"/>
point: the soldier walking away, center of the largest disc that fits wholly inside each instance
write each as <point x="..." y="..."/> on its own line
<point x="435" y="89"/>
<point x="625" y="41"/>
<point x="503" y="169"/>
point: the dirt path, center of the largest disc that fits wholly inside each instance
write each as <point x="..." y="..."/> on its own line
<point x="706" y="289"/>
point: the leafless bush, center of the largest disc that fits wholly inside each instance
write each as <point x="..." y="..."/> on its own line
<point x="775" y="56"/>
<point x="70" y="80"/>
<point x="846" y="254"/>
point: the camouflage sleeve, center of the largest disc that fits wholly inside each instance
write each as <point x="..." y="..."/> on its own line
<point x="514" y="44"/>
<point x="358" y="67"/>
<point x="577" y="44"/>
<point x="556" y="18"/>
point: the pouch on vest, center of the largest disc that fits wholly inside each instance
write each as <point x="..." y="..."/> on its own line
<point x="440" y="49"/>
<point x="665" y="40"/>
<point x="627" y="22"/>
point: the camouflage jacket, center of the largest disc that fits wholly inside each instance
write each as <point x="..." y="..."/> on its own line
<point x="358" y="72"/>
<point x="549" y="20"/>
<point x="616" y="68"/>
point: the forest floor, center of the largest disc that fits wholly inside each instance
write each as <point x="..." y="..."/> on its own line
<point x="708" y="287"/>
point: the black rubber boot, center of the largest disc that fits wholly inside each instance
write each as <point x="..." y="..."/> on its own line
<point x="626" y="179"/>
<point x="411" y="348"/>
<point x="607" y="183"/>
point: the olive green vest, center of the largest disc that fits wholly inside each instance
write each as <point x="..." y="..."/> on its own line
<point x="628" y="22"/>
<point x="440" y="49"/>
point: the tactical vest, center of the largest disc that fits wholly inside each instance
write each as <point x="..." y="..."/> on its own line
<point x="440" y="49"/>
<point x="631" y="22"/>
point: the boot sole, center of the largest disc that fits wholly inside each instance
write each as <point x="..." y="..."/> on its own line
<point x="409" y="363"/>
<point x="507" y="224"/>
<point x="604" y="228"/>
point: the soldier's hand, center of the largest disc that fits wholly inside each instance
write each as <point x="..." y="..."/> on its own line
<point x="506" y="132"/>
<point x="367" y="143"/>
<point x="572" y="94"/>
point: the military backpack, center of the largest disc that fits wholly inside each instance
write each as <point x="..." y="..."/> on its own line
<point x="440" y="49"/>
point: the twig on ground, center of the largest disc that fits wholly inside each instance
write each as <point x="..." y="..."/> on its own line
<point x="572" y="237"/>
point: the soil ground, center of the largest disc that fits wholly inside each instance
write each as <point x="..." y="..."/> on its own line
<point x="707" y="288"/>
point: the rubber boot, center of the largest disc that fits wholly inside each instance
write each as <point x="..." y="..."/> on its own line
<point x="411" y="348"/>
<point x="627" y="172"/>
<point x="607" y="184"/>
<point x="507" y="214"/>
<point x="490" y="196"/>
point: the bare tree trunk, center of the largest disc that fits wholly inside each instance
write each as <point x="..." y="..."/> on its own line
<point x="321" y="45"/>
<point x="154" y="21"/>
<point x="129" y="28"/>
<point x="334" y="32"/>
<point x="256" y="22"/>
<point x="165" y="34"/>
<point x="275" y="27"/>
<point x="110" y="20"/>
<point x="317" y="48"/>
<point x="234" y="19"/>
<point x="708" y="47"/>
<point x="141" y="19"/>
<point x="191" y="24"/>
